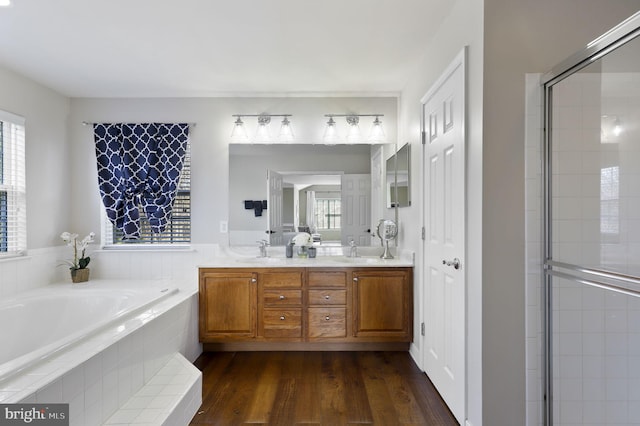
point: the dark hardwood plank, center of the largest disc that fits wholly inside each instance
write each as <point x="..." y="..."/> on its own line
<point x="333" y="409"/>
<point x="265" y="391"/>
<point x="317" y="388"/>
<point x="308" y="390"/>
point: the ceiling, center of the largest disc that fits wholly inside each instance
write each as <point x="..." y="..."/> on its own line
<point x="151" y="48"/>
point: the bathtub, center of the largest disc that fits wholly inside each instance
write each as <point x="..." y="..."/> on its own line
<point x="40" y="324"/>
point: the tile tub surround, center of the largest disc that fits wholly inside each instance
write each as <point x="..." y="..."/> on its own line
<point x="102" y="373"/>
<point x="50" y="319"/>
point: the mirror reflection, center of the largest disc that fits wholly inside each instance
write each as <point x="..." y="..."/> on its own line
<point x="398" y="173"/>
<point x="326" y="190"/>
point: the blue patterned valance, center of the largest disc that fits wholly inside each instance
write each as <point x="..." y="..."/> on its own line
<point x="139" y="165"/>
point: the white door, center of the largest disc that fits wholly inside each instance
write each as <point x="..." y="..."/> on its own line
<point x="274" y="209"/>
<point x="444" y="252"/>
<point x="356" y="209"/>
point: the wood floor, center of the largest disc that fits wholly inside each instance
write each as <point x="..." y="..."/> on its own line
<point x="317" y="388"/>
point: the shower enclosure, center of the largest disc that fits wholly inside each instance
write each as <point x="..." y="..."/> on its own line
<point x="591" y="259"/>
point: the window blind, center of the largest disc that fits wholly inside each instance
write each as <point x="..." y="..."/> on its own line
<point x="13" y="217"/>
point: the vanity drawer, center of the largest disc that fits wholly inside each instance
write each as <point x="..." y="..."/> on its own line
<point x="282" y="322"/>
<point x="327" y="297"/>
<point x="289" y="279"/>
<point x="327" y="322"/>
<point x="327" y="278"/>
<point x="282" y="297"/>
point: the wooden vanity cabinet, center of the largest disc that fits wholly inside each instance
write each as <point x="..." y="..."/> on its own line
<point x="227" y="300"/>
<point x="306" y="308"/>
<point x="327" y="304"/>
<point x="383" y="303"/>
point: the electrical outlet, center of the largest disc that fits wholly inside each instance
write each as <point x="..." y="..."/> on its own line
<point x="224" y="227"/>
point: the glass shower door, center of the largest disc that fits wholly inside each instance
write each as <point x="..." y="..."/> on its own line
<point x="592" y="237"/>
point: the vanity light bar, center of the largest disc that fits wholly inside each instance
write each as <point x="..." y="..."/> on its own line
<point x="262" y="135"/>
<point x="353" y="136"/>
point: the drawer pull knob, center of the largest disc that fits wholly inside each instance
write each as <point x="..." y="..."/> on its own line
<point x="281" y="297"/>
<point x="327" y="318"/>
<point x="327" y="297"/>
<point x="282" y="318"/>
<point x="253" y="280"/>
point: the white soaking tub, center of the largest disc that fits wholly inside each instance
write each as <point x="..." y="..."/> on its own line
<point x="42" y="323"/>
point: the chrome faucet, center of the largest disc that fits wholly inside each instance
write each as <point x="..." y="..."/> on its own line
<point x="353" y="249"/>
<point x="262" y="245"/>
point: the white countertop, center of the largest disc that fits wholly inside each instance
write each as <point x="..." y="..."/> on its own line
<point x="246" y="257"/>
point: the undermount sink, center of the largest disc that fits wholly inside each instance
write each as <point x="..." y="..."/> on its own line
<point x="259" y="260"/>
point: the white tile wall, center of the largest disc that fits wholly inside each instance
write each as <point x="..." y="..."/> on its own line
<point x="596" y="344"/>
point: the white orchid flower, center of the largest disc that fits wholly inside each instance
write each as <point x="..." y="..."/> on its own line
<point x="82" y="261"/>
<point x="302" y="239"/>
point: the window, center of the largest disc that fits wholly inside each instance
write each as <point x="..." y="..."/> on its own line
<point x="327" y="213"/>
<point x="610" y="200"/>
<point x="178" y="230"/>
<point x="13" y="218"/>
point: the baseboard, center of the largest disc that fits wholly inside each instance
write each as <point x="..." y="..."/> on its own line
<point x="304" y="346"/>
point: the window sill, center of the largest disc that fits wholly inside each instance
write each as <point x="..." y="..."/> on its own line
<point x="147" y="248"/>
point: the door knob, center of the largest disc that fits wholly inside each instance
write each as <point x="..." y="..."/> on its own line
<point x="455" y="263"/>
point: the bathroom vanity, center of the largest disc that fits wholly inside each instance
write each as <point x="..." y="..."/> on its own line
<point x="307" y="306"/>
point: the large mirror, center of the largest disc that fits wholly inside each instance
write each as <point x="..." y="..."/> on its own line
<point x="398" y="178"/>
<point x="334" y="192"/>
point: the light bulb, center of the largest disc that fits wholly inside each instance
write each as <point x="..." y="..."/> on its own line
<point x="330" y="132"/>
<point x="262" y="134"/>
<point x="377" y="132"/>
<point x="239" y="132"/>
<point x="353" y="136"/>
<point x="286" y="133"/>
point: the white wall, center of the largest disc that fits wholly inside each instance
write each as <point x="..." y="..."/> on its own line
<point x="209" y="143"/>
<point x="48" y="159"/>
<point x="48" y="181"/>
<point x="462" y="28"/>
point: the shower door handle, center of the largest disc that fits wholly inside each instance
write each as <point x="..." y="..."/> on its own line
<point x="455" y="263"/>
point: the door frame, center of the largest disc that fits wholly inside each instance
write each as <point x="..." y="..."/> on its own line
<point x="459" y="61"/>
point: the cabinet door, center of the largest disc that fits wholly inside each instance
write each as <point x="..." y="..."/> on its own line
<point x="382" y="303"/>
<point x="227" y="305"/>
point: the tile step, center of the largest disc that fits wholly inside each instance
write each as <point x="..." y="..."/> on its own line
<point x="171" y="398"/>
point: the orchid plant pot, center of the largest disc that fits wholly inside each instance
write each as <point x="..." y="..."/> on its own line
<point x="80" y="275"/>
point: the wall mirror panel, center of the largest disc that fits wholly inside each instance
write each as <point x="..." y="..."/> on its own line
<point x="334" y="192"/>
<point x="398" y="187"/>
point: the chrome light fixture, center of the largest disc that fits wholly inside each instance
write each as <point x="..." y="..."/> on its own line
<point x="286" y="132"/>
<point x="331" y="133"/>
<point x="239" y="132"/>
<point x="263" y="135"/>
<point x="262" y="132"/>
<point x="353" y="133"/>
<point x="377" y="132"/>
